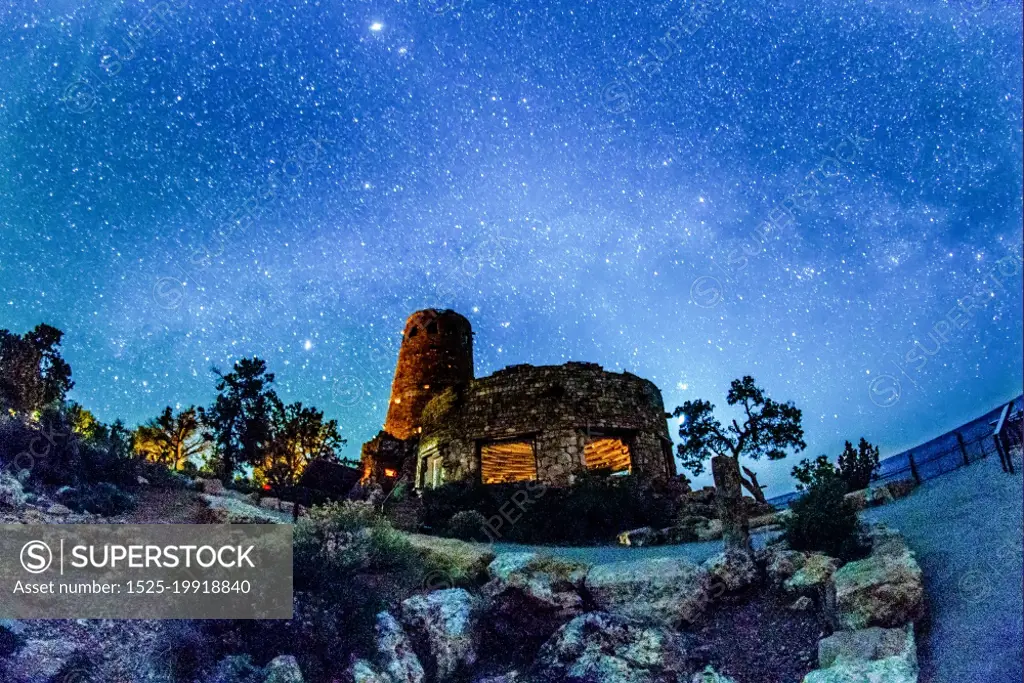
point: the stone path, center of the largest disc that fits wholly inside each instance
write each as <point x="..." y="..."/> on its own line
<point x="969" y="546"/>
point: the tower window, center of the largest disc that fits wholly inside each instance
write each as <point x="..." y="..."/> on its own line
<point x="414" y="331"/>
<point x="609" y="454"/>
<point x="432" y="328"/>
<point x="503" y="462"/>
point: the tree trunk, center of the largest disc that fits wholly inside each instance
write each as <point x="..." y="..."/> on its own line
<point x="753" y="486"/>
<point x="729" y="496"/>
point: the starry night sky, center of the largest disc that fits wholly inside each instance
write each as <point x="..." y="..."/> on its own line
<point x="188" y="182"/>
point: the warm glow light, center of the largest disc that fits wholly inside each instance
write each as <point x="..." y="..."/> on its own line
<point x="390" y="474"/>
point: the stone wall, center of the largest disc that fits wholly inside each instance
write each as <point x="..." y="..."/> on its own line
<point x="556" y="408"/>
<point x="436" y="353"/>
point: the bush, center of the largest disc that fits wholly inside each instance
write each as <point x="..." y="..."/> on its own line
<point x="103" y="499"/>
<point x="594" y="510"/>
<point x="349" y="565"/>
<point x="467" y="525"/>
<point x="858" y="467"/>
<point x="822" y="520"/>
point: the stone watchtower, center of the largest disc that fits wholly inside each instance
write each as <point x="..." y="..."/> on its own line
<point x="436" y="354"/>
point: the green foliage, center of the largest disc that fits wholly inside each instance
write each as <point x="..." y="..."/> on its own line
<point x="466" y="525"/>
<point x="32" y="372"/>
<point x="100" y="499"/>
<point x="171" y="439"/>
<point x="769" y="428"/>
<point x="300" y="436"/>
<point x="808" y="473"/>
<point x="349" y="565"/>
<point x="858" y="467"/>
<point x="593" y="510"/>
<point x="823" y="520"/>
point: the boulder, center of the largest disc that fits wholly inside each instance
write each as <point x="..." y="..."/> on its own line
<point x="780" y="564"/>
<point x="12" y="495"/>
<point x="547" y="582"/>
<point x="885" y="589"/>
<point x="58" y="510"/>
<point x="707" y="529"/>
<point x="641" y="537"/>
<point x="731" y="572"/>
<point x="868" y="644"/>
<point x="283" y="669"/>
<point x="886" y="541"/>
<point x="443" y="624"/>
<point x="40" y="661"/>
<point x="709" y="675"/>
<point x="858" y="499"/>
<point x="868" y="655"/>
<point x="669" y="590"/>
<point x="236" y="669"/>
<point x="362" y="671"/>
<point x="458" y="561"/>
<point x="892" y="670"/>
<point x="270" y="503"/>
<point x="901" y="487"/>
<point x="141" y="481"/>
<point x="813" y="578"/>
<point x="802" y="604"/>
<point x="530" y="596"/>
<point x="610" y="648"/>
<point x="395" y="652"/>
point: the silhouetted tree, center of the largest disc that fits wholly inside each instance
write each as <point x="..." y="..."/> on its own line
<point x="769" y="428"/>
<point x="239" y="422"/>
<point x="171" y="439"/>
<point x="32" y="372"/>
<point x="858" y="467"/>
<point x="300" y="436"/>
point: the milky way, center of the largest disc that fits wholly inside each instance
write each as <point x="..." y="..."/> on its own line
<point x="826" y="196"/>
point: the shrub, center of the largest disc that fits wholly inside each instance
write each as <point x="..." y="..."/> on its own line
<point x="594" y="510"/>
<point x="467" y="525"/>
<point x="808" y="472"/>
<point x="103" y="499"/>
<point x="349" y="565"/>
<point x="822" y="520"/>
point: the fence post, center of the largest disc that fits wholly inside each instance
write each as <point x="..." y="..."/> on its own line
<point x="1001" y="451"/>
<point x="1009" y="453"/>
<point x="913" y="469"/>
<point x="963" y="448"/>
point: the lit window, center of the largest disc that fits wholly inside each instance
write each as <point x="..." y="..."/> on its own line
<point x="507" y="461"/>
<point x="607" y="454"/>
<point x="390" y="473"/>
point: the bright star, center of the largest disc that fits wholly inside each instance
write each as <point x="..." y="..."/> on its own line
<point x="376" y="26"/>
<point x="308" y="345"/>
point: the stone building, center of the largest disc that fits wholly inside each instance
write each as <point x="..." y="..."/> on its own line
<point x="544" y="423"/>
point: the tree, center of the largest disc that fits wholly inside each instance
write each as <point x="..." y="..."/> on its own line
<point x="808" y="473"/>
<point x="858" y="467"/>
<point x="239" y="421"/>
<point x="32" y="372"/>
<point x="769" y="428"/>
<point x="301" y="436"/>
<point x="170" y="439"/>
<point x="85" y="424"/>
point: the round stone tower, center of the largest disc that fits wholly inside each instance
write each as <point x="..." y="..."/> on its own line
<point x="436" y="353"/>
